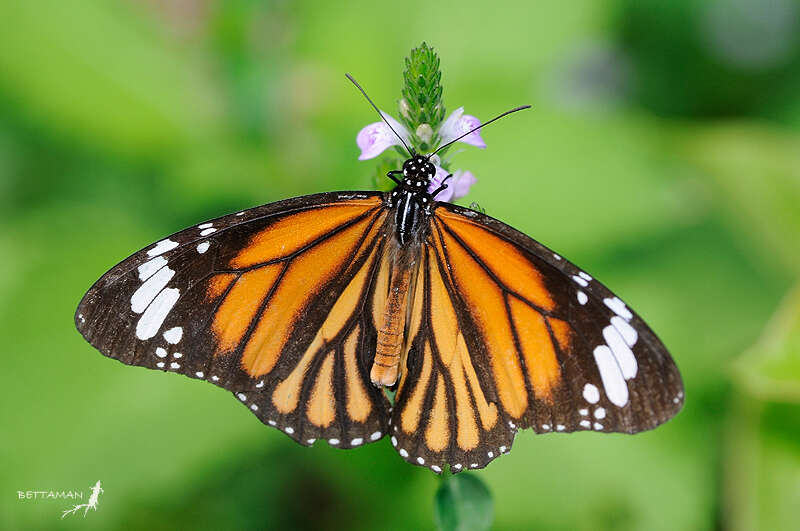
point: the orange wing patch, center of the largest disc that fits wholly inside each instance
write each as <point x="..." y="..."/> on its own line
<point x="358" y="403"/>
<point x="562" y="331"/>
<point x="541" y="362"/>
<point x="486" y="304"/>
<point x="241" y="304"/>
<point x="437" y="435"/>
<point x="321" y="409"/>
<point x="504" y="260"/>
<point x="413" y="409"/>
<point x="287" y="392"/>
<point x="292" y="233"/>
<point x="295" y="290"/>
<point x="218" y="284"/>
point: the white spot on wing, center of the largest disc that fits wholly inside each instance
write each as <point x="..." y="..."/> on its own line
<point x="582" y="298"/>
<point x="289" y="430"/>
<point x="556" y="256"/>
<point x="420" y="460"/>
<point x="585" y="275"/>
<point x="591" y="393"/>
<point x="147" y="269"/>
<point x="623" y="353"/>
<point x="160" y="364"/>
<point x="161" y="353"/>
<point x="242" y="397"/>
<point x="375" y="436"/>
<point x="152" y="319"/>
<point x="357" y="441"/>
<point x="628" y="332"/>
<point x="174" y="335"/>
<point x="560" y="427"/>
<point x="619" y="308"/>
<point x="206" y="232"/>
<point x="436" y="469"/>
<point x="203" y="247"/>
<point x="199" y="374"/>
<point x="580" y="280"/>
<point x="600" y="413"/>
<point x="205" y="225"/>
<point x="403" y="452"/>
<point x="174" y="365"/>
<point x="586" y="424"/>
<point x="145" y="294"/>
<point x="584" y="412"/>
<point x="162" y="247"/>
<point x="610" y="373"/>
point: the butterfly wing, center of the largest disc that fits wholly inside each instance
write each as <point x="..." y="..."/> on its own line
<point x="508" y="335"/>
<point x="270" y="303"/>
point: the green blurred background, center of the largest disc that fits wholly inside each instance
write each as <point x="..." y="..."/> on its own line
<point x="662" y="155"/>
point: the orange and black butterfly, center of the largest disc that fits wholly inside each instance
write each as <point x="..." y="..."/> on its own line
<point x="310" y="309"/>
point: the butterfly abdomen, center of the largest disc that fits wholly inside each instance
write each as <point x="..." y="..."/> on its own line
<point x="391" y="331"/>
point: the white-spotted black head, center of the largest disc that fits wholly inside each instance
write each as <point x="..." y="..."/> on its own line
<point x="418" y="171"/>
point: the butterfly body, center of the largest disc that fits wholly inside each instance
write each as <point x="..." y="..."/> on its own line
<point x="306" y="308"/>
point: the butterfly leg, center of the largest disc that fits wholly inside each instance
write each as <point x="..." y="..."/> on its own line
<point x="442" y="187"/>
<point x="392" y="174"/>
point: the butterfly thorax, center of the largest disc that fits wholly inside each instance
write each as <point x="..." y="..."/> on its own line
<point x="410" y="199"/>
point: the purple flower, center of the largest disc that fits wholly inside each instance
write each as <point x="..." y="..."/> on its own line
<point x="457" y="186"/>
<point x="375" y="138"/>
<point x="459" y="123"/>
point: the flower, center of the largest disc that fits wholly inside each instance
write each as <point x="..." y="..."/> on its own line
<point x="459" y="123"/>
<point x="375" y="138"/>
<point x="457" y="186"/>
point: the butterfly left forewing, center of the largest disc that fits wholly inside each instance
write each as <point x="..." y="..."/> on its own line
<point x="254" y="301"/>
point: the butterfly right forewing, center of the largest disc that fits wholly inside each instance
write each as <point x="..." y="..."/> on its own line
<point x="513" y="336"/>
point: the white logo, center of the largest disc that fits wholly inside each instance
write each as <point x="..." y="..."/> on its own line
<point x="91" y="504"/>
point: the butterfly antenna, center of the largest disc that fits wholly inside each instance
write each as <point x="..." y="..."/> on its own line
<point x="410" y="151"/>
<point x="476" y="128"/>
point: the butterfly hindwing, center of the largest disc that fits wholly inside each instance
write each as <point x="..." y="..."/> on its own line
<point x="269" y="297"/>
<point x="517" y="337"/>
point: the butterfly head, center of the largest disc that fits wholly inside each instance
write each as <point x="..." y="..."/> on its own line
<point x="418" y="171"/>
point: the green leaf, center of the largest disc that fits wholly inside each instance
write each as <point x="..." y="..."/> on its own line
<point x="756" y="173"/>
<point x="771" y="369"/>
<point x="463" y="503"/>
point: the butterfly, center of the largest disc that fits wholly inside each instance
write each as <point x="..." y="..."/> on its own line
<point x="354" y="316"/>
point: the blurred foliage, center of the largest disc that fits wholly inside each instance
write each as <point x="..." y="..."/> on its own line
<point x="763" y="446"/>
<point x="661" y="155"/>
<point x="463" y="503"/>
